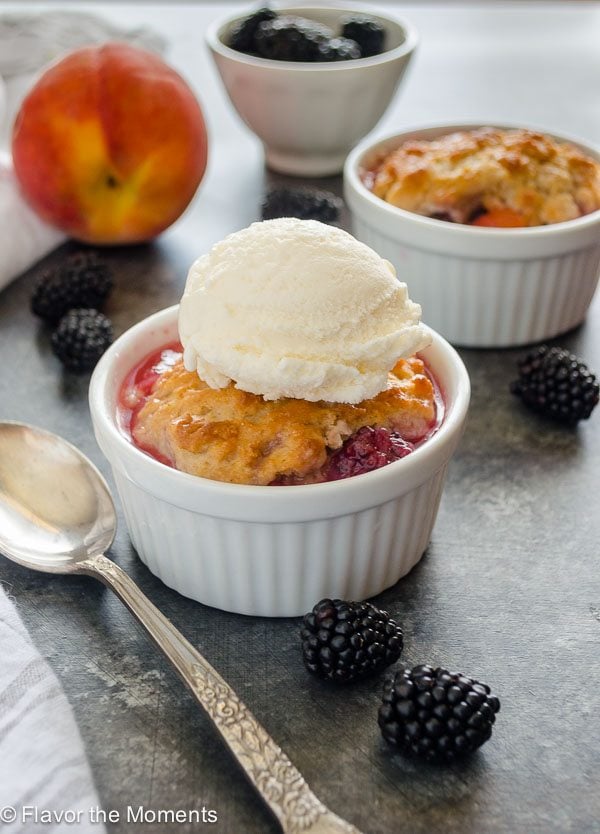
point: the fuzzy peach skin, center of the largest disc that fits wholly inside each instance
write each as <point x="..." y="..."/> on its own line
<point x="110" y="145"/>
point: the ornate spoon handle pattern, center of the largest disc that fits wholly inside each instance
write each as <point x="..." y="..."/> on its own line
<point x="280" y="784"/>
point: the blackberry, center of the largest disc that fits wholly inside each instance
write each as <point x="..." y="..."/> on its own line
<point x="242" y="37"/>
<point x="339" y="49"/>
<point x="367" y="449"/>
<point x="290" y="38"/>
<point x="344" y="641"/>
<point x="81" y="338"/>
<point x="83" y="280"/>
<point x="303" y="202"/>
<point x="556" y="383"/>
<point x="366" y="32"/>
<point x="435" y="714"/>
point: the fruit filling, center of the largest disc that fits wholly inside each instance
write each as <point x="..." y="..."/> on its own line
<point x="235" y="436"/>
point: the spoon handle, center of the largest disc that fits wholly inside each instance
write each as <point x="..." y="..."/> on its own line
<point x="275" y="778"/>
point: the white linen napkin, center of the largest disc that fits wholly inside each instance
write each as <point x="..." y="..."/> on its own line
<point x="43" y="766"/>
<point x="24" y="238"/>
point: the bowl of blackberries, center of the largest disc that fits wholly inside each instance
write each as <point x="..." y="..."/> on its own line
<point x="310" y="82"/>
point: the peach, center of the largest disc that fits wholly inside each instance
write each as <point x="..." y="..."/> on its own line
<point x="110" y="145"/>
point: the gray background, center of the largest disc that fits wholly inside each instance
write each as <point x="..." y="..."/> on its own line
<point x="509" y="589"/>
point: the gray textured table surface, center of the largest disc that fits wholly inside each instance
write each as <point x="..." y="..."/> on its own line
<point x="509" y="589"/>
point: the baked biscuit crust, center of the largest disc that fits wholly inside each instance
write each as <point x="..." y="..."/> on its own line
<point x="230" y="435"/>
<point x="463" y="174"/>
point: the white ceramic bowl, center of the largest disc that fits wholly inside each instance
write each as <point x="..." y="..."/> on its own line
<point x="267" y="550"/>
<point x="480" y="287"/>
<point x="309" y="115"/>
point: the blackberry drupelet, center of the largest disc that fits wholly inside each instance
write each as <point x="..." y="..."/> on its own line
<point x="81" y="338"/>
<point x="367" y="449"/>
<point x="435" y="714"/>
<point x="558" y="384"/>
<point x="83" y="280"/>
<point x="243" y="33"/>
<point x="290" y="38"/>
<point x="345" y="641"/>
<point x="367" y="32"/>
<point x="339" y="49"/>
<point x="302" y="202"/>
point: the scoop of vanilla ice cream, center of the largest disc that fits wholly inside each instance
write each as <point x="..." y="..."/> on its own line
<point x="296" y="308"/>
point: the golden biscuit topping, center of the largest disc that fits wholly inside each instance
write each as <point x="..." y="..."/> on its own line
<point x="231" y="435"/>
<point x="490" y="177"/>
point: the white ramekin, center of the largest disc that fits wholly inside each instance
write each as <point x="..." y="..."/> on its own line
<point x="309" y="115"/>
<point x="274" y="551"/>
<point x="480" y="287"/>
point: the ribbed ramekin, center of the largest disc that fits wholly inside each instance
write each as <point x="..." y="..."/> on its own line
<point x="274" y="551"/>
<point x="480" y="287"/>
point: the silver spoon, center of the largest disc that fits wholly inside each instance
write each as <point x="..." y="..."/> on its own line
<point x="57" y="516"/>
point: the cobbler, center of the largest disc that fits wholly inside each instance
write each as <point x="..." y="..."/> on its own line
<point x="489" y="177"/>
<point x="230" y="435"/>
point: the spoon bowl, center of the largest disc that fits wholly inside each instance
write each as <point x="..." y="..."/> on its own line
<point x="55" y="507"/>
